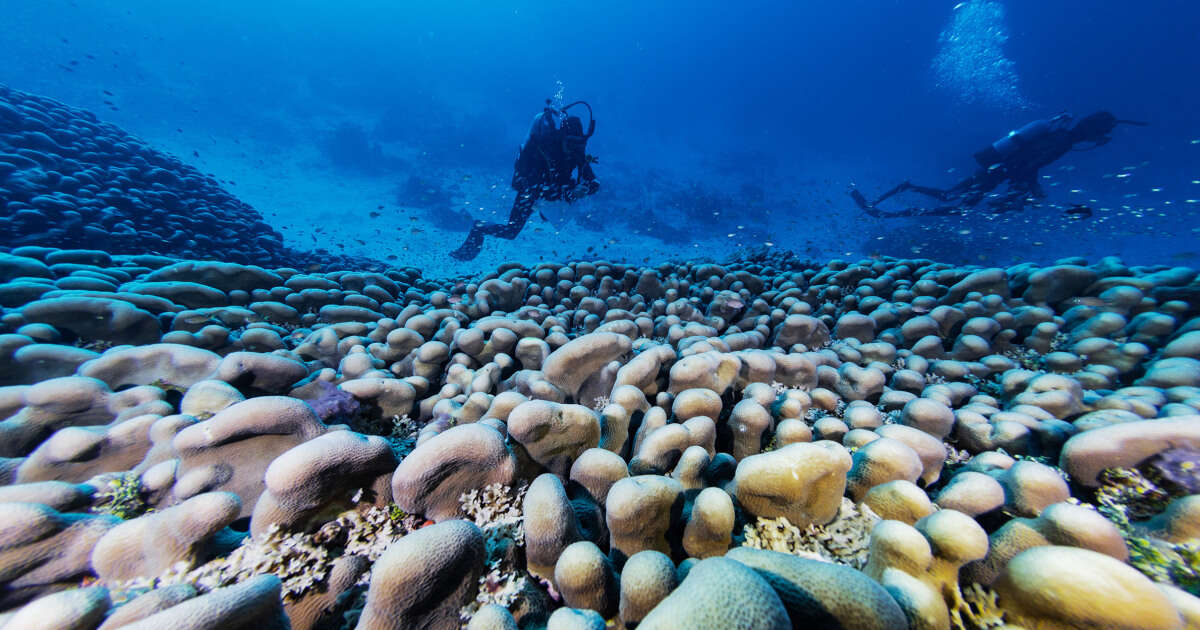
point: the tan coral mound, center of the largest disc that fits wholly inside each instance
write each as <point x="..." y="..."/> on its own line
<point x="876" y="444"/>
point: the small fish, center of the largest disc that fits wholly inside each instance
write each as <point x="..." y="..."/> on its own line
<point x="1078" y="211"/>
<point x="107" y="92"/>
<point x="373" y="214"/>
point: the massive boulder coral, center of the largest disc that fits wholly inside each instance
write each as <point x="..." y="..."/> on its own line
<point x="719" y="593"/>
<point x="1064" y="587"/>
<point x="819" y="593"/>
<point x="1123" y="445"/>
<point x="150" y="545"/>
<point x="167" y="364"/>
<point x="251" y="605"/>
<point x="35" y="412"/>
<point x="801" y="482"/>
<point x="644" y="512"/>
<point x="599" y="423"/>
<point x="75" y="608"/>
<point x="231" y="450"/>
<point x="71" y="180"/>
<point x="919" y="565"/>
<point x="422" y="580"/>
<point x="43" y="550"/>
<point x="323" y="476"/>
<point x="572" y="365"/>
<point x="554" y="434"/>
<point x="433" y="477"/>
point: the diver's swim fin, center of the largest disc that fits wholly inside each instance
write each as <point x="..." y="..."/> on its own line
<point x="860" y="200"/>
<point x="471" y="246"/>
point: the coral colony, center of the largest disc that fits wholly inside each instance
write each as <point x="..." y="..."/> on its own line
<point x="202" y="429"/>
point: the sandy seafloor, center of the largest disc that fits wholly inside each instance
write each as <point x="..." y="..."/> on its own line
<point x="299" y="192"/>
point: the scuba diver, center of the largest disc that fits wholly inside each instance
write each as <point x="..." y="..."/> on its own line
<point x="552" y="164"/>
<point x="1016" y="159"/>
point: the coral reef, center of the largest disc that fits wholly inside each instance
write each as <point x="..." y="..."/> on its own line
<point x="891" y="442"/>
<point x="1126" y="497"/>
<point x="121" y="496"/>
<point x="70" y="180"/>
<point x="845" y="540"/>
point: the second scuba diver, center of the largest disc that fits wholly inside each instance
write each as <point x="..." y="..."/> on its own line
<point x="1016" y="158"/>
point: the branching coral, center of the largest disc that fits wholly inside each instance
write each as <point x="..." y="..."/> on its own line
<point x="301" y="561"/>
<point x="400" y="432"/>
<point x="979" y="610"/>
<point x="496" y="509"/>
<point x="495" y="504"/>
<point x="1126" y="495"/>
<point x="366" y="532"/>
<point x="294" y="558"/>
<point x="956" y="456"/>
<point x="122" y="497"/>
<point x="845" y="540"/>
<point x="403" y="435"/>
<point x="500" y="586"/>
<point x="1026" y="358"/>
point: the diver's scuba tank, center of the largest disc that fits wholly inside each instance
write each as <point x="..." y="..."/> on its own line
<point x="1000" y="150"/>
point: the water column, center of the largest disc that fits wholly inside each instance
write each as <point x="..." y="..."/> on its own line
<point x="971" y="65"/>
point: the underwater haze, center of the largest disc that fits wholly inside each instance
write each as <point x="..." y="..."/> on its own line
<point x="563" y="315"/>
<point x="720" y="128"/>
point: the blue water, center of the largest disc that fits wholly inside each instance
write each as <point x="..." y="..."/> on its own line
<point x="722" y="128"/>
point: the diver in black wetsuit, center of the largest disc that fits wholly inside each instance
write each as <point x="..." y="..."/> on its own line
<point x="553" y="164"/>
<point x="1016" y="158"/>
